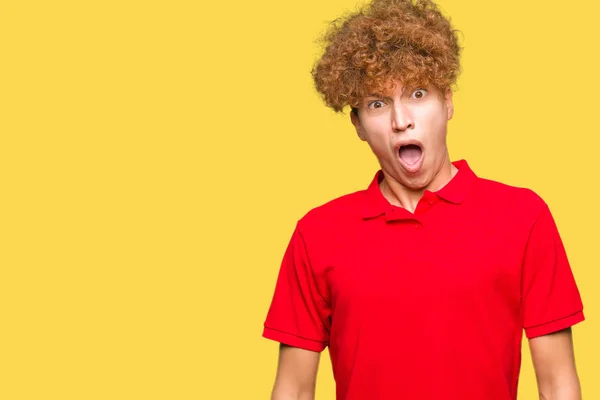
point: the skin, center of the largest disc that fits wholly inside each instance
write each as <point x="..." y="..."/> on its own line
<point x="422" y="115"/>
<point x="296" y="374"/>
<point x="405" y="115"/>
<point x="554" y="364"/>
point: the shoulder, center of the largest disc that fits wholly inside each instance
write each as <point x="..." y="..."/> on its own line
<point x="334" y="214"/>
<point x="509" y="199"/>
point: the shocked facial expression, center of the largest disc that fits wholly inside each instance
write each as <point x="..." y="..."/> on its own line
<point x="406" y="130"/>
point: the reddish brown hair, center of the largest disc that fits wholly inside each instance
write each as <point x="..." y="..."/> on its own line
<point x="406" y="40"/>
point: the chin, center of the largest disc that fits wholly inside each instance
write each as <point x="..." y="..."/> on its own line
<point x="415" y="183"/>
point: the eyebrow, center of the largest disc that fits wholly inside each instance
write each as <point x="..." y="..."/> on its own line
<point x="378" y="96"/>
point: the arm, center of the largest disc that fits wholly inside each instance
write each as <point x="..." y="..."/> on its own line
<point x="296" y="374"/>
<point x="554" y="364"/>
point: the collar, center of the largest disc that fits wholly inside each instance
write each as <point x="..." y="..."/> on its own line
<point x="455" y="191"/>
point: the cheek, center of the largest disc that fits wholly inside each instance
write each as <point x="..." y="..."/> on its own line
<point x="379" y="146"/>
<point x="376" y="133"/>
<point x="433" y="127"/>
<point x="435" y="123"/>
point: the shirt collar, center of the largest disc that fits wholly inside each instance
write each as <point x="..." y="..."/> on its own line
<point x="455" y="191"/>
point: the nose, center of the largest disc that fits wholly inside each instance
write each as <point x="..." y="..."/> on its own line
<point x="402" y="118"/>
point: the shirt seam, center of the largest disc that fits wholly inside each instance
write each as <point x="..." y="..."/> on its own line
<point x="554" y="320"/>
<point x="295" y="335"/>
<point x="310" y="266"/>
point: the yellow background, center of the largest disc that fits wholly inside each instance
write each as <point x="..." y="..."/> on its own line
<point x="155" y="156"/>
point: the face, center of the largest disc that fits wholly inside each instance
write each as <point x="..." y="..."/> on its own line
<point x="406" y="130"/>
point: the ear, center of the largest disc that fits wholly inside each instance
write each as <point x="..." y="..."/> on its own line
<point x="357" y="125"/>
<point x="449" y="103"/>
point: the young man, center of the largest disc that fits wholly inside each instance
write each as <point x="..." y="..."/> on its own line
<point x="422" y="284"/>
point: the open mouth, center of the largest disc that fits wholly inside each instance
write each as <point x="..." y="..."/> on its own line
<point x="410" y="154"/>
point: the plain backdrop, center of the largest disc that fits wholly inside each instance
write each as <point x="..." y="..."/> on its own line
<point x="156" y="155"/>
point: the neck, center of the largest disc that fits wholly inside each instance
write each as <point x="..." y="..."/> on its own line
<point x="408" y="198"/>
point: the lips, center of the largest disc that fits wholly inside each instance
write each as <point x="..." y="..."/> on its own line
<point x="410" y="155"/>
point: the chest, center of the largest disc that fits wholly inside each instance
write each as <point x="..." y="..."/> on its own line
<point x="418" y="265"/>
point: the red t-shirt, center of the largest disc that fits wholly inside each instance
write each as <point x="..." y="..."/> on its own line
<point x="428" y="305"/>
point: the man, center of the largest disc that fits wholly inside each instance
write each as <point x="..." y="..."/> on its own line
<point x="422" y="284"/>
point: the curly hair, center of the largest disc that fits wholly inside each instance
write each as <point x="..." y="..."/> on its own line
<point x="406" y="40"/>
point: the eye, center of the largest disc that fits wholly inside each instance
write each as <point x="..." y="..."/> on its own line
<point x="374" y="105"/>
<point x="418" y="94"/>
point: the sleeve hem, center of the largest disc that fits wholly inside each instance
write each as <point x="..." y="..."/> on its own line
<point x="554" y="326"/>
<point x="293" y="340"/>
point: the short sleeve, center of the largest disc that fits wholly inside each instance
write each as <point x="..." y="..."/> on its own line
<point x="298" y="315"/>
<point x="550" y="297"/>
